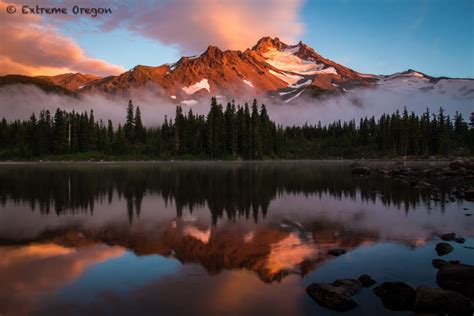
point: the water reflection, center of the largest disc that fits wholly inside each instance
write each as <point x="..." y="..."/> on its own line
<point x="28" y="273"/>
<point x="257" y="232"/>
<point x="230" y="189"/>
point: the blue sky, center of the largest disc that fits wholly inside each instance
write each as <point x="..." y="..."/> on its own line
<point x="373" y="36"/>
<point x="386" y="36"/>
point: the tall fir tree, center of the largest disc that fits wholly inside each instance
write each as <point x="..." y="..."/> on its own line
<point x="139" y="129"/>
<point x="60" y="133"/>
<point x="129" y="127"/>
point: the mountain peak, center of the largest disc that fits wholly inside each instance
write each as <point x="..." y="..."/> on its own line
<point x="413" y="72"/>
<point x="213" y="51"/>
<point x="265" y="43"/>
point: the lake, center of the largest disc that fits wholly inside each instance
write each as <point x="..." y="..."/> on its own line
<point x="212" y="238"/>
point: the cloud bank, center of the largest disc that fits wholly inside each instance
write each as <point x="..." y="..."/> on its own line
<point x="20" y="101"/>
<point x="192" y="25"/>
<point x="31" y="46"/>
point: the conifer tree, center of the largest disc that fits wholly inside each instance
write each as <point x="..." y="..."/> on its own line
<point x="229" y="123"/>
<point x="471" y="132"/>
<point x="180" y="132"/>
<point x="32" y="136"/>
<point x="93" y="135"/>
<point x="246" y="153"/>
<point x="110" y="136"/>
<point x="266" y="137"/>
<point x="128" y="128"/>
<point x="255" y="137"/>
<point x="119" y="141"/>
<point x="3" y="133"/>
<point x="60" y="133"/>
<point x="139" y="129"/>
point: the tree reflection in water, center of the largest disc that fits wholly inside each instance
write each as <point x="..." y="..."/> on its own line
<point x="230" y="189"/>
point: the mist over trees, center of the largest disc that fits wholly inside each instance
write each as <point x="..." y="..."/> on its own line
<point x="233" y="132"/>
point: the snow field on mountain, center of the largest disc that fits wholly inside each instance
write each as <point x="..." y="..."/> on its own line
<point x="248" y="83"/>
<point x="294" y="97"/>
<point x="299" y="85"/>
<point x="290" y="79"/>
<point x="203" y="84"/>
<point x="286" y="60"/>
<point x="189" y="102"/>
<point x="416" y="83"/>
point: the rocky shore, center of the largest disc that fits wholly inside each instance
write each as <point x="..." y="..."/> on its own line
<point x="454" y="296"/>
<point x="426" y="177"/>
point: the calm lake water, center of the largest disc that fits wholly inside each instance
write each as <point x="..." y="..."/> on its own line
<point x="212" y="238"/>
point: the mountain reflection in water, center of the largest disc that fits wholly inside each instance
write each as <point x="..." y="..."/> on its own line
<point x="69" y="232"/>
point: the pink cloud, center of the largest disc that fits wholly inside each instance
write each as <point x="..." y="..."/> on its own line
<point x="192" y="25"/>
<point x="31" y="46"/>
<point x="32" y="271"/>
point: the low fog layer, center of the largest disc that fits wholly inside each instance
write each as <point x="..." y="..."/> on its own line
<point x="20" y="101"/>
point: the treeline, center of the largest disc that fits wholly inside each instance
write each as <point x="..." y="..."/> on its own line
<point x="233" y="132"/>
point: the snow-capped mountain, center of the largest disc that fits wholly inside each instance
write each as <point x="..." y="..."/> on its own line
<point x="413" y="82"/>
<point x="271" y="67"/>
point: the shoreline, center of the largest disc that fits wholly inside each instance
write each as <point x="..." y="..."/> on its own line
<point x="235" y="161"/>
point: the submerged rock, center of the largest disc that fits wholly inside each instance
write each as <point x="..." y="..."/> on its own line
<point x="457" y="277"/>
<point x="469" y="195"/>
<point x="351" y="285"/>
<point x="396" y="296"/>
<point x="337" y="296"/>
<point x="456" y="193"/>
<point x="337" y="251"/>
<point x="448" y="237"/>
<point x="438" y="263"/>
<point x="423" y="185"/>
<point x="438" y="301"/>
<point x="360" y="171"/>
<point x="443" y="248"/>
<point x="355" y="165"/>
<point x="366" y="281"/>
